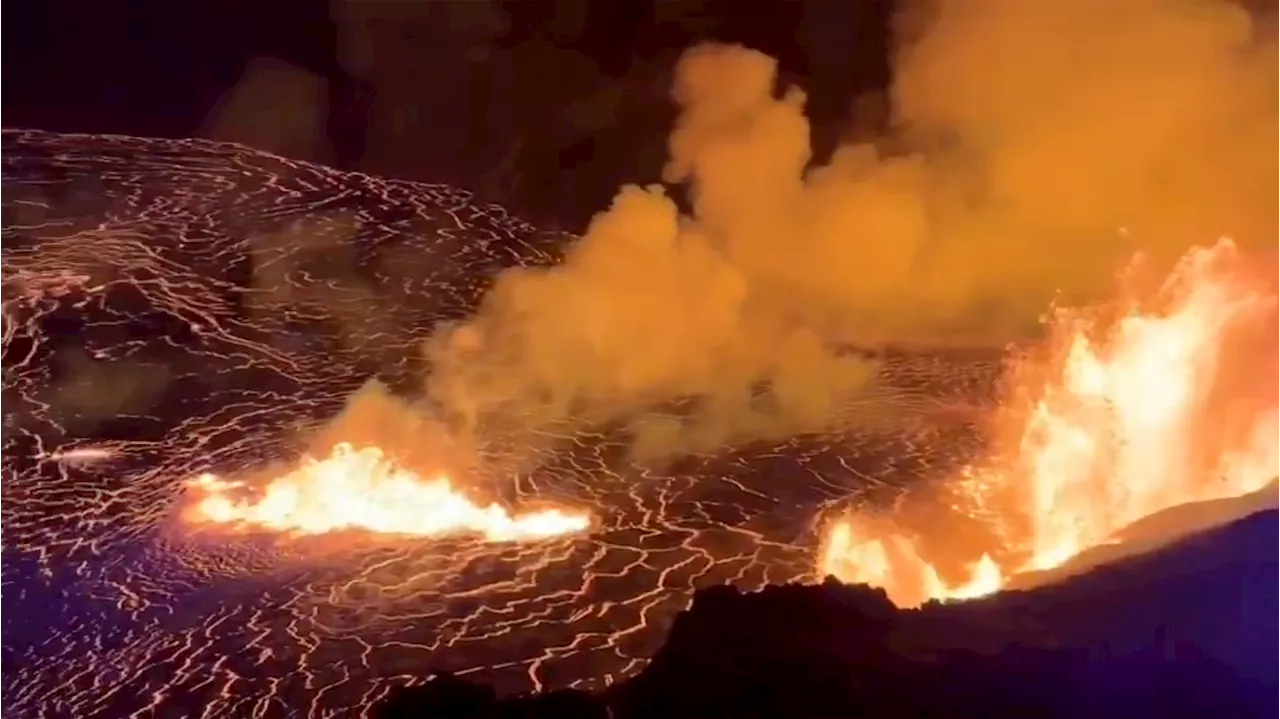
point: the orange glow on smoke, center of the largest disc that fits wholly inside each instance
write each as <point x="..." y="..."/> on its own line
<point x="363" y="490"/>
<point x="1157" y="406"/>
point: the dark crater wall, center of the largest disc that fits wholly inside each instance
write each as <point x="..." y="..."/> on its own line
<point x="1189" y="631"/>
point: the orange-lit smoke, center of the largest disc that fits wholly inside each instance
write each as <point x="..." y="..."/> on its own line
<point x="1161" y="401"/>
<point x="361" y="489"/>
<point x="1036" y="146"/>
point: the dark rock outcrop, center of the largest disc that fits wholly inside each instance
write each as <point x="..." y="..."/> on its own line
<point x="1189" y="630"/>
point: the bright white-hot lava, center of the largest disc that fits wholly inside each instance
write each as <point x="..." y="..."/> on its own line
<point x="1164" y="401"/>
<point x="361" y="489"/>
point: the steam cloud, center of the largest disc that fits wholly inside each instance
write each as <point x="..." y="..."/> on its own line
<point x="1035" y="146"/>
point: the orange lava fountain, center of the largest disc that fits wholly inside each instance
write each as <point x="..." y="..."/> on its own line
<point x="1159" y="404"/>
<point x="363" y="490"/>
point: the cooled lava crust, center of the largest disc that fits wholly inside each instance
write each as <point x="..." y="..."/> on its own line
<point x="179" y="306"/>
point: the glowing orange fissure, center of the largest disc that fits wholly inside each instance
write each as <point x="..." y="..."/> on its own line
<point x="1114" y="430"/>
<point x="1122" y="419"/>
<point x="361" y="489"/>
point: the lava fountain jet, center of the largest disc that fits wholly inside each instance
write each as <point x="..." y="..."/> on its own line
<point x="362" y="489"/>
<point x="1129" y="411"/>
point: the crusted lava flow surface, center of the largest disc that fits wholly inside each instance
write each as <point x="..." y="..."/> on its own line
<point x="180" y="308"/>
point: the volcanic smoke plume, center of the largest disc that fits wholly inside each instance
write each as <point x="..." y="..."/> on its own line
<point x="1035" y="147"/>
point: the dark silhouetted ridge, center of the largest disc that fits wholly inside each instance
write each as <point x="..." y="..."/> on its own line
<point x="1189" y="630"/>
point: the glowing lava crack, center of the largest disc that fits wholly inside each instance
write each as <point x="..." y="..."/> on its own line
<point x="242" y="300"/>
<point x="362" y="489"/>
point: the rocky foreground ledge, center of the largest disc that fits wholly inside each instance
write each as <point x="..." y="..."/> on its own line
<point x="1189" y="630"/>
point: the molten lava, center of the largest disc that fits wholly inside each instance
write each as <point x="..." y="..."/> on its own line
<point x="363" y="490"/>
<point x="1161" y="403"/>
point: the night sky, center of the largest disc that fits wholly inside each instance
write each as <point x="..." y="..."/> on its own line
<point x="430" y="91"/>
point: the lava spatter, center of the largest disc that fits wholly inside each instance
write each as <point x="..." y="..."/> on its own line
<point x="1128" y="412"/>
<point x="190" y="307"/>
<point x="363" y="489"/>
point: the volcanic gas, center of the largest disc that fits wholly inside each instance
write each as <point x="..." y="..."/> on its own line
<point x="1156" y="401"/>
